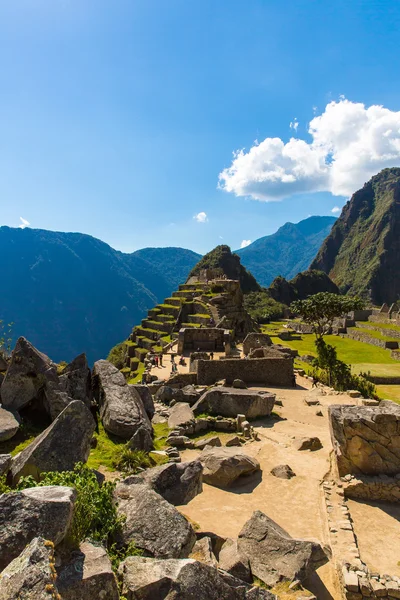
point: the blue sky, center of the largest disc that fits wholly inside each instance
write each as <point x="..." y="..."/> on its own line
<point x="117" y="118"/>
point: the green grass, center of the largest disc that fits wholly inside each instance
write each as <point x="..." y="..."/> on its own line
<point x="106" y="450"/>
<point x="161" y="431"/>
<point x="167" y="339"/>
<point x="350" y="351"/>
<point x="373" y="333"/>
<point x="389" y="392"/>
<point x="25" y="435"/>
<point x="137" y="378"/>
<point x="384" y="325"/>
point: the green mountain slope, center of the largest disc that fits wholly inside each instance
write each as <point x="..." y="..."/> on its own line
<point x="173" y="264"/>
<point x="288" y="251"/>
<point x="362" y="252"/>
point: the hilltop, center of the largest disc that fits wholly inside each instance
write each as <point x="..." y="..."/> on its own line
<point x="361" y="254"/>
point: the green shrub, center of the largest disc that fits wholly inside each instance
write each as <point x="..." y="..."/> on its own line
<point x="117" y="355"/>
<point x="130" y="461"/>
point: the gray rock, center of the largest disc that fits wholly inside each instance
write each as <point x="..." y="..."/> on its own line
<point x="176" y="483"/>
<point x="166" y="393"/>
<point x="9" y="425"/>
<point x="121" y="408"/>
<point x="233" y="562"/>
<point x="235" y="441"/>
<point x="256" y="340"/>
<point x="41" y="511"/>
<point x="3" y="362"/>
<point x="5" y="463"/>
<point x="190" y="394"/>
<point x="153" y="523"/>
<point x="283" y="472"/>
<point x="146" y="398"/>
<point x="366" y="439"/>
<point x="230" y="402"/>
<point x="27" y="376"/>
<point x="30" y="576"/>
<point x="308" y="443"/>
<point x="222" y="466"/>
<point x="178" y="441"/>
<point x="239" y="384"/>
<point x="183" y="579"/>
<point x="202" y="551"/>
<point x="179" y="414"/>
<point x="76" y="380"/>
<point x="274" y="555"/>
<point x="211" y="441"/>
<point x="87" y="574"/>
<point x="59" y="447"/>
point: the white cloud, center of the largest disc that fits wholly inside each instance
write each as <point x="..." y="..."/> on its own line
<point x="336" y="210"/>
<point x="201" y="217"/>
<point x="294" y="124"/>
<point x="24" y="223"/>
<point x="350" y="143"/>
<point x="245" y="243"/>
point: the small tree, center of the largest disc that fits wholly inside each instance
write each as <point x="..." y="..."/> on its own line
<point x="321" y="309"/>
<point x="5" y="338"/>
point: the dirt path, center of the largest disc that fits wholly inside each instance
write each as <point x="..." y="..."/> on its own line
<point x="295" y="504"/>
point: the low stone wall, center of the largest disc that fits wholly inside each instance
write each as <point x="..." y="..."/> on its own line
<point x="359" y="584"/>
<point x="301" y="327"/>
<point x="360" y="336"/>
<point x="206" y="424"/>
<point x="203" y="338"/>
<point x="383" y="330"/>
<point x="383" y="488"/>
<point x="268" y="371"/>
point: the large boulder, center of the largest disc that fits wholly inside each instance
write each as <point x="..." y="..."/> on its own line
<point x="183" y="579"/>
<point x="87" y="574"/>
<point x="30" y="576"/>
<point x="366" y="439"/>
<point x="233" y="562"/>
<point x="167" y="393"/>
<point x="230" y="402"/>
<point x="152" y="523"/>
<point x="41" y="511"/>
<point x="27" y="376"/>
<point x="76" y="380"/>
<point x="9" y="425"/>
<point x="178" y="483"/>
<point x="121" y="408"/>
<point x="59" y="447"/>
<point x="274" y="555"/>
<point x="5" y="463"/>
<point x="146" y="398"/>
<point x="179" y="414"/>
<point x="190" y="394"/>
<point x="222" y="466"/>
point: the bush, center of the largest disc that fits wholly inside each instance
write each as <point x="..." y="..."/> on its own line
<point x="130" y="461"/>
<point x="117" y="355"/>
<point x="262" y="307"/>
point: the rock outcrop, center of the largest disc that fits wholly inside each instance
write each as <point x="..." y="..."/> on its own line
<point x="76" y="380"/>
<point x="179" y="414"/>
<point x="230" y="402"/>
<point x="87" y="574"/>
<point x="233" y="562"/>
<point x="121" y="408"/>
<point x="146" y="398"/>
<point x="274" y="555"/>
<point x="366" y="439"/>
<point x="9" y="425"/>
<point x="178" y="483"/>
<point x="41" y="511"/>
<point x="283" y="472"/>
<point x="223" y="466"/>
<point x="59" y="447"/>
<point x="5" y="463"/>
<point x="152" y="523"/>
<point x="30" y="576"/>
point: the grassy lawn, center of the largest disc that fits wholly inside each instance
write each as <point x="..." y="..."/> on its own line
<point x="385" y="326"/>
<point x="389" y="392"/>
<point x="373" y="333"/>
<point x="383" y="370"/>
<point x="25" y="435"/>
<point x="350" y="351"/>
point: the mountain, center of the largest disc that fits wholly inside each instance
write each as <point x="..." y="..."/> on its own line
<point x="362" y="252"/>
<point x="288" y="251"/>
<point x="70" y="293"/>
<point x="228" y="263"/>
<point x="302" y="286"/>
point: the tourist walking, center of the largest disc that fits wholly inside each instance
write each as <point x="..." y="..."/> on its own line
<point x="156" y="361"/>
<point x="160" y="359"/>
<point x="211" y="355"/>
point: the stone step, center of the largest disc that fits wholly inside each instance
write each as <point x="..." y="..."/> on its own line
<point x="140" y="353"/>
<point x="151" y="334"/>
<point x="160" y="318"/>
<point x="168" y="309"/>
<point x="201" y="319"/>
<point x="185" y="294"/>
<point x="153" y="312"/>
<point x="173" y="301"/>
<point x="145" y="343"/>
<point x="192" y="286"/>
<point x="162" y="327"/>
<point x="190" y="325"/>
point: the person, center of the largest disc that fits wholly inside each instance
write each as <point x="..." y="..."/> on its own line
<point x="181" y="360"/>
<point x="143" y="377"/>
<point x="294" y="380"/>
<point x="172" y="358"/>
<point x="148" y="377"/>
<point x="211" y="355"/>
<point x="156" y="360"/>
<point x="314" y="381"/>
<point x="160" y="360"/>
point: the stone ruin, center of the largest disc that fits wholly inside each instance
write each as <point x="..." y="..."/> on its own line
<point x="206" y="339"/>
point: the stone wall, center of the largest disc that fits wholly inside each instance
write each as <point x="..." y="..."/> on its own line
<point x="383" y="488"/>
<point x="267" y="371"/>
<point x="204" y="338"/>
<point x="301" y="327"/>
<point x="255" y="340"/>
<point x="360" y="336"/>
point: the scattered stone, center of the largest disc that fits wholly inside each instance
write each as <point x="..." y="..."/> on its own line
<point x="231" y="561"/>
<point x="235" y="441"/>
<point x="5" y="463"/>
<point x="211" y="441"/>
<point x="166" y="393"/>
<point x="178" y="441"/>
<point x="30" y="576"/>
<point x="354" y="393"/>
<point x="176" y="483"/>
<point x="222" y="466"/>
<point x="152" y="523"/>
<point x="319" y="413"/>
<point x="76" y="380"/>
<point x="278" y="402"/>
<point x="312" y="401"/>
<point x="146" y="398"/>
<point x="121" y="408"/>
<point x="202" y="551"/>
<point x="308" y="443"/>
<point x="283" y="472"/>
<point x="274" y="555"/>
<point x="190" y="394"/>
<point x="366" y="439"/>
<point x="239" y="384"/>
<point x="87" y="574"/>
<point x="59" y="447"/>
<point x="39" y="511"/>
<point x="229" y="402"/>
<point x="350" y="580"/>
<point x="9" y="425"/>
<point x="180" y="414"/>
